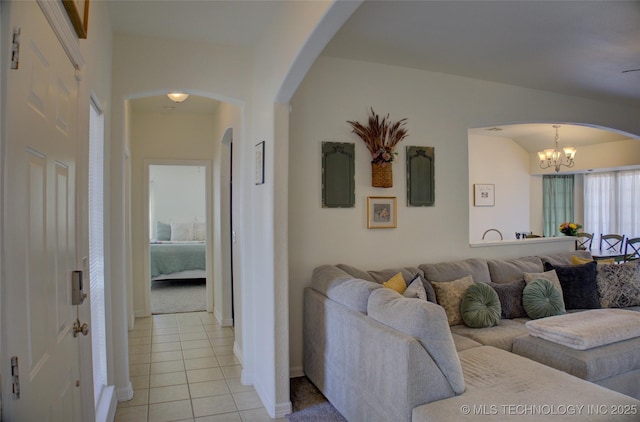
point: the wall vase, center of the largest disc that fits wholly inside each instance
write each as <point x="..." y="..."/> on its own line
<point x="381" y="175"/>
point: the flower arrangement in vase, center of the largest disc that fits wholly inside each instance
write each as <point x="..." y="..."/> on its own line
<point x="381" y="136"/>
<point x="570" y="229"/>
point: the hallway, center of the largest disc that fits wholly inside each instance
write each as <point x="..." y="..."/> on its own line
<point x="182" y="368"/>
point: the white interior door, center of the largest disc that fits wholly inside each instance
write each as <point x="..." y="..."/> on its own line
<point x="39" y="225"/>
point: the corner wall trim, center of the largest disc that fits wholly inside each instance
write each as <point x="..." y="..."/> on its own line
<point x="125" y="393"/>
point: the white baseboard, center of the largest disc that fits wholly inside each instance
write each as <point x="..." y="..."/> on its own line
<point x="125" y="393"/>
<point x="221" y="321"/>
<point x="296" y="372"/>
<point x="282" y="409"/>
<point x="237" y="351"/>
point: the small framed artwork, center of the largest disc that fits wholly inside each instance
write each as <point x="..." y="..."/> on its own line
<point x="259" y="163"/>
<point x="382" y="212"/>
<point x="78" y="11"/>
<point x="484" y="195"/>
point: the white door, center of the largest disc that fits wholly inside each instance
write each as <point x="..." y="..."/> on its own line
<point x="38" y="230"/>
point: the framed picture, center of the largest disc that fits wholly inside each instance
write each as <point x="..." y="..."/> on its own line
<point x="260" y="163"/>
<point x="78" y="11"/>
<point x="382" y="212"/>
<point x="338" y="175"/>
<point x="484" y="195"/>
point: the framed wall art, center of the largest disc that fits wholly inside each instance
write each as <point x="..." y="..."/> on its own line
<point x="338" y="175"/>
<point x="78" y="11"/>
<point x="382" y="212"/>
<point x="259" y="176"/>
<point x="484" y="195"/>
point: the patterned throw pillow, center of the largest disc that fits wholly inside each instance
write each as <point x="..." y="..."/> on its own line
<point x="449" y="295"/>
<point x="618" y="285"/>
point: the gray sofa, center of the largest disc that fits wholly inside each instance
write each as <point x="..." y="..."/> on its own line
<point x="378" y="356"/>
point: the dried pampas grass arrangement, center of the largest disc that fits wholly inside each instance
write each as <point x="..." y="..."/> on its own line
<point x="381" y="136"/>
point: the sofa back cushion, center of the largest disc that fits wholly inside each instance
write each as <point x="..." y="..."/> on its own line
<point x="564" y="258"/>
<point x="449" y="271"/>
<point x="339" y="286"/>
<point x="503" y="271"/>
<point x="425" y="321"/>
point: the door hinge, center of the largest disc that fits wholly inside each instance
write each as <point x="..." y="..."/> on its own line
<point x="15" y="378"/>
<point x="15" y="49"/>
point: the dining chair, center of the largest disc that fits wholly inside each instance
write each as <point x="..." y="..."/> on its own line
<point x="612" y="242"/>
<point x="632" y="250"/>
<point x="583" y="241"/>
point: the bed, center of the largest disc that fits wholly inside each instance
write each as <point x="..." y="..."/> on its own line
<point x="177" y="259"/>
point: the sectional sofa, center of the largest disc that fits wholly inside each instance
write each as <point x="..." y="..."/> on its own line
<point x="380" y="356"/>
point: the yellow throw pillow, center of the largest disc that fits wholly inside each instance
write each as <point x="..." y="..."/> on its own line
<point x="449" y="295"/>
<point x="576" y="260"/>
<point x="396" y="283"/>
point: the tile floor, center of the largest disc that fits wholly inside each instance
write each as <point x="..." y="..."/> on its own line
<point x="182" y="368"/>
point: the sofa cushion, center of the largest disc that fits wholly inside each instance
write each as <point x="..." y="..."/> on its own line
<point x="508" y="387"/>
<point x="510" y="296"/>
<point x="618" y="285"/>
<point x="449" y="295"/>
<point x="541" y="299"/>
<point x="424" y="320"/>
<point x="396" y="283"/>
<point x="578" y="282"/>
<point x="552" y="276"/>
<point x="480" y="306"/>
<point x="416" y="289"/>
<point x="500" y="336"/>
<point x="564" y="258"/>
<point x="408" y="273"/>
<point x="355" y="272"/>
<point x="339" y="286"/>
<point x="447" y="271"/>
<point x="505" y="271"/>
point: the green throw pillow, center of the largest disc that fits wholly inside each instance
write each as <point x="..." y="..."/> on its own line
<point x="480" y="306"/>
<point x="541" y="299"/>
<point x="163" y="231"/>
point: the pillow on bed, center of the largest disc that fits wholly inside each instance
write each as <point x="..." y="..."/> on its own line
<point x="198" y="231"/>
<point x="181" y="231"/>
<point x="163" y="231"/>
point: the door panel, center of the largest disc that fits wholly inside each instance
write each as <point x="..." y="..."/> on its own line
<point x="39" y="224"/>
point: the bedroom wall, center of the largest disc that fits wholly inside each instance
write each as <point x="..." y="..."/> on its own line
<point x="440" y="109"/>
<point x="178" y="194"/>
<point x="169" y="136"/>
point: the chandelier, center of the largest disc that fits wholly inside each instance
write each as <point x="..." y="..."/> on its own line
<point x="557" y="157"/>
<point x="177" y="97"/>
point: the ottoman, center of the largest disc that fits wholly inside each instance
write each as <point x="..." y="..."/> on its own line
<point x="614" y="365"/>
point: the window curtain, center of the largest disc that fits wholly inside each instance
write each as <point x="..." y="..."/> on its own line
<point x="557" y="203"/>
<point x="612" y="203"/>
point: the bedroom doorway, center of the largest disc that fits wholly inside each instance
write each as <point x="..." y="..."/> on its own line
<point x="178" y="228"/>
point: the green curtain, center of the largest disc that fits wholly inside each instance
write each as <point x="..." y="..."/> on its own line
<point x="557" y="203"/>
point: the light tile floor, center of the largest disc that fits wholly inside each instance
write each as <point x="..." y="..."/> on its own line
<point x="182" y="368"/>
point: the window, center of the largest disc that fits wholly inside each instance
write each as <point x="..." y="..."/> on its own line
<point x="612" y="203"/>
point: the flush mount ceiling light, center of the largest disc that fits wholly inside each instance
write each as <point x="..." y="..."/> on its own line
<point x="557" y="157"/>
<point x="177" y="97"/>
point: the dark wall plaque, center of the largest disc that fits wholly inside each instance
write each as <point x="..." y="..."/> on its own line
<point x="420" y="176"/>
<point x="338" y="175"/>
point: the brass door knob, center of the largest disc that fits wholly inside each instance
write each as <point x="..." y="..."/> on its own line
<point x="80" y="328"/>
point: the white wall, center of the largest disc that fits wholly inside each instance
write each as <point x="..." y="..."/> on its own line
<point x="178" y="194"/>
<point x="503" y="163"/>
<point x="440" y="109"/>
